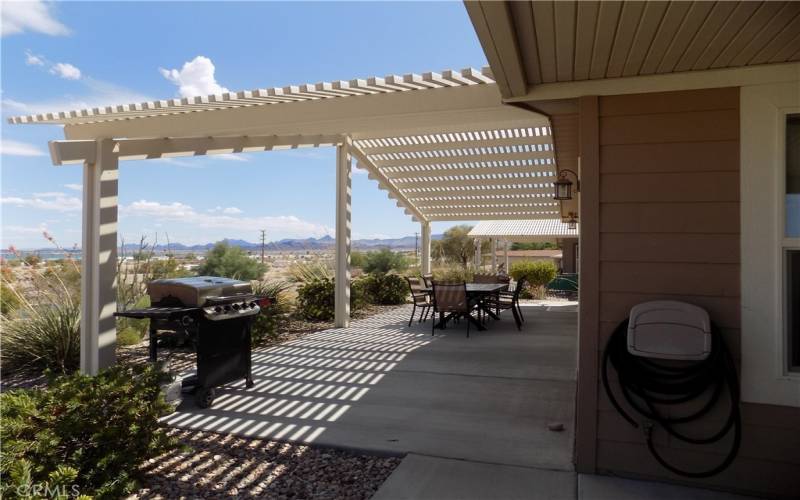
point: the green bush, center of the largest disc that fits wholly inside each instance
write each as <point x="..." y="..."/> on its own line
<point x="456" y="274"/>
<point x="231" y="262"/>
<point x="44" y="337"/>
<point x="316" y="299"/>
<point x="537" y="274"/>
<point x="88" y="434"/>
<point x="384" y="289"/>
<point x="272" y="319"/>
<point x="383" y="261"/>
<point x="128" y="336"/>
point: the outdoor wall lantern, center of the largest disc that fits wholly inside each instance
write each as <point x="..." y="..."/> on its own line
<point x="572" y="221"/>
<point x="563" y="186"/>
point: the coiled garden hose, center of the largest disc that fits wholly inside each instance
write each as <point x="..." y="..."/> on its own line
<point x="651" y="386"/>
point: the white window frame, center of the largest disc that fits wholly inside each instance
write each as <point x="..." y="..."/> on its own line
<point x="764" y="342"/>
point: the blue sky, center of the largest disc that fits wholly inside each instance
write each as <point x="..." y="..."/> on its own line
<point x="69" y="55"/>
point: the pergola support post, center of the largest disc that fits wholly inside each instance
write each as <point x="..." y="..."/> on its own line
<point x="426" y="247"/>
<point x="343" y="210"/>
<point x="99" y="260"/>
<point x="477" y="254"/>
<point x="494" y="255"/>
<point x="505" y="253"/>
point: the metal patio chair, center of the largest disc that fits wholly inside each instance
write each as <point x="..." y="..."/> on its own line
<point x="420" y="297"/>
<point x="451" y="299"/>
<point x="509" y="301"/>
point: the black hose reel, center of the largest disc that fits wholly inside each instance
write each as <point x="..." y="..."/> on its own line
<point x="668" y="354"/>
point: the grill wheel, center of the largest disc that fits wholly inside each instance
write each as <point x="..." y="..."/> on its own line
<point x="204" y="398"/>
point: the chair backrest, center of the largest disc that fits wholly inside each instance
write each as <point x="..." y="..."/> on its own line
<point x="428" y="280"/>
<point x="518" y="288"/>
<point x="485" y="278"/>
<point x="414" y="284"/>
<point x="450" y="297"/>
<point x="416" y="287"/>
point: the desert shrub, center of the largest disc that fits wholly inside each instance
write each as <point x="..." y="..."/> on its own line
<point x="307" y="271"/>
<point x="384" y="289"/>
<point x="316" y="299"/>
<point x="128" y="336"/>
<point x="537" y="275"/>
<point x="383" y="261"/>
<point x="88" y="434"/>
<point x="231" y="262"/>
<point x="453" y="274"/>
<point x="44" y="337"/>
<point x="358" y="259"/>
<point x="9" y="301"/>
<point x="272" y="319"/>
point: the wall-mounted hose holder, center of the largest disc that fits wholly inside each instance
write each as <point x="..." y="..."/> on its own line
<point x="657" y="389"/>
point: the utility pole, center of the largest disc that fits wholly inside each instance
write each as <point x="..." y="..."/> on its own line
<point x="263" y="242"/>
<point x="416" y="248"/>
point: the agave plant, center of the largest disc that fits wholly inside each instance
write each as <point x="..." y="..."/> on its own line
<point x="308" y="271"/>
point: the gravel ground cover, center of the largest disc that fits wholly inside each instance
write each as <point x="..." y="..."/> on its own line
<point x="220" y="466"/>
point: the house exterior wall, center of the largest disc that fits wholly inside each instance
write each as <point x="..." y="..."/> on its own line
<point x="665" y="169"/>
<point x="569" y="248"/>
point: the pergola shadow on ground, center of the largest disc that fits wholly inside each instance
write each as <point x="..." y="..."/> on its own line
<point x="383" y="387"/>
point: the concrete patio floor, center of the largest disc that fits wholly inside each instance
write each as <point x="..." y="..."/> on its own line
<point x="383" y="387"/>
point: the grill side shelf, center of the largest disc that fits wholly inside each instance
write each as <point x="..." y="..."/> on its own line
<point x="165" y="313"/>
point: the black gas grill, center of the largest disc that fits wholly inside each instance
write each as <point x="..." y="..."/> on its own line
<point x="214" y="314"/>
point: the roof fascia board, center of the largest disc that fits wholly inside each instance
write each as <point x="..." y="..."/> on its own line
<point x="495" y="29"/>
<point x="689" y="80"/>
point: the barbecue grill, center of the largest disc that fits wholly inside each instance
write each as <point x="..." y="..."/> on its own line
<point x="215" y="314"/>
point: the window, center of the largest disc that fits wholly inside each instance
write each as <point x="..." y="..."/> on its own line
<point x="791" y="260"/>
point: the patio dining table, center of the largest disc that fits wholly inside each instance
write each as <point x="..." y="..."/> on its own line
<point x="476" y="292"/>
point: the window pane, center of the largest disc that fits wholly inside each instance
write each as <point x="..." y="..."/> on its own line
<point x="793" y="308"/>
<point x="793" y="176"/>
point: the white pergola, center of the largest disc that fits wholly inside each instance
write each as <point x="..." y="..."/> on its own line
<point x="441" y="144"/>
<point x="518" y="231"/>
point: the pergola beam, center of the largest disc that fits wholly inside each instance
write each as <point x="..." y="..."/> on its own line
<point x="439" y="172"/>
<point x="478" y="142"/>
<point x="472" y="158"/>
<point x="495" y="216"/>
<point x="77" y="151"/>
<point x="385" y="183"/>
<point x="532" y="192"/>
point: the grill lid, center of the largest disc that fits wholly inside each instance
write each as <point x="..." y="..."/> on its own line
<point x="197" y="290"/>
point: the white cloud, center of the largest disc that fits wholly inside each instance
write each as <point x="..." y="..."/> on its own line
<point x="17" y="148"/>
<point x="230" y="157"/>
<point x="98" y="94"/>
<point x="66" y="71"/>
<point x="34" y="15"/>
<point x="195" y="78"/>
<point x="227" y="219"/>
<point x="59" y="202"/>
<point x="227" y="210"/>
<point x="74" y="187"/>
<point x="32" y="59"/>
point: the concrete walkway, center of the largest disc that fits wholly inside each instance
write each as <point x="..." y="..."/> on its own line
<point x="428" y="478"/>
<point x="387" y="388"/>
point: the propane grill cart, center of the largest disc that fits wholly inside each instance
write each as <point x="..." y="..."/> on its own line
<point x="215" y="315"/>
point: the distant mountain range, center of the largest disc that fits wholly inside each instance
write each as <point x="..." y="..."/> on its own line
<point x="323" y="243"/>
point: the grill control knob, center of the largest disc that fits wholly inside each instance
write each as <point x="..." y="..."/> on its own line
<point x="236" y="307"/>
<point x="252" y="305"/>
<point x="218" y="309"/>
<point x="227" y="308"/>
